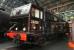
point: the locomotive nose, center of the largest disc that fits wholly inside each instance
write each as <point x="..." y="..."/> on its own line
<point x="11" y="34"/>
<point x="22" y="35"/>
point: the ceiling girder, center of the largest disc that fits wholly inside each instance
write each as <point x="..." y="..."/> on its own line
<point x="61" y="5"/>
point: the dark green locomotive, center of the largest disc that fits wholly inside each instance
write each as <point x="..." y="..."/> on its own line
<point x="34" y="25"/>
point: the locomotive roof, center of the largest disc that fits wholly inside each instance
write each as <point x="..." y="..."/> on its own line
<point x="37" y="7"/>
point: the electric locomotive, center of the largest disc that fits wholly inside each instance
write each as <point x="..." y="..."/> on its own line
<point x="31" y="24"/>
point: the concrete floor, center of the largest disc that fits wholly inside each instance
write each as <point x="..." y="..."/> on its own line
<point x="62" y="45"/>
<point x="58" y="46"/>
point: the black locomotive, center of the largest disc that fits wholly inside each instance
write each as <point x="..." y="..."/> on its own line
<point x="4" y="20"/>
<point x="35" y="25"/>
